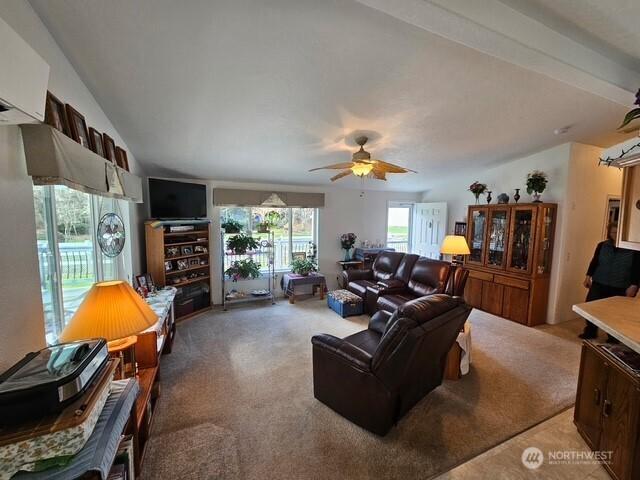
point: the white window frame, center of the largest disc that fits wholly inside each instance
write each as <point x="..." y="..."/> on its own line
<point x="396" y="204"/>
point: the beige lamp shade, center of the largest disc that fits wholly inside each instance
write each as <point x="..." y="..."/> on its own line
<point x="111" y="310"/>
<point x="454" y="245"/>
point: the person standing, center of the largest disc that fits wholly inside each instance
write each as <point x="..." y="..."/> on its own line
<point x="612" y="272"/>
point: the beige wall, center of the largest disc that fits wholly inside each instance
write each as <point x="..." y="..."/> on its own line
<point x="21" y="316"/>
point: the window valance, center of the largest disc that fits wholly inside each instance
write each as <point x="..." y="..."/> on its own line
<point x="55" y="159"/>
<point x="230" y="197"/>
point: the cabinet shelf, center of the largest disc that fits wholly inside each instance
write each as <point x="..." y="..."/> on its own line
<point x="177" y="244"/>
<point x="177" y="272"/>
<point x="188" y="232"/>
<point x="190" y="281"/>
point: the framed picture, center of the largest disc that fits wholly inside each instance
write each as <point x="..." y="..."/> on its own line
<point x="78" y="126"/>
<point x="95" y="141"/>
<point x="200" y="249"/>
<point x="173" y="252"/>
<point x="187" y="250"/>
<point x="182" y="264"/>
<point x="168" y="266"/>
<point x="55" y="114"/>
<point x="460" y="229"/>
<point x="299" y="256"/>
<point x="194" y="262"/>
<point x="151" y="285"/>
<point x="141" y="280"/>
<point x="121" y="158"/>
<point x="109" y="148"/>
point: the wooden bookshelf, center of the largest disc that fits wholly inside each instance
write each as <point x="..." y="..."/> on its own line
<point x="167" y="247"/>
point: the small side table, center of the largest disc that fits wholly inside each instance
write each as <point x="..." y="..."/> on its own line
<point x="292" y="280"/>
<point x="352" y="265"/>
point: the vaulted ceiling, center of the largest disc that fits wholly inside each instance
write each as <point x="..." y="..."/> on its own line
<point x="265" y="90"/>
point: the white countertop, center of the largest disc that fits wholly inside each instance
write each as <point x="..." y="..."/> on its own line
<point x="618" y="316"/>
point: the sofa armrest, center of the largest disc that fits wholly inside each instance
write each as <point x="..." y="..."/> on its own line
<point x="379" y="321"/>
<point x="353" y="275"/>
<point x="344" y="350"/>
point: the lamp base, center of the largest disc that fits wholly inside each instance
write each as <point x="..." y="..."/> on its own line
<point x="125" y="350"/>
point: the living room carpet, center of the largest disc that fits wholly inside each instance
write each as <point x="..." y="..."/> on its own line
<point x="237" y="400"/>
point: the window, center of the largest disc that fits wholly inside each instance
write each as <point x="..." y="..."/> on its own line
<point x="69" y="257"/>
<point x="294" y="235"/>
<point x="399" y="227"/>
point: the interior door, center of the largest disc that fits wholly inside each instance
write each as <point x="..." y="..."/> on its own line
<point x="429" y="228"/>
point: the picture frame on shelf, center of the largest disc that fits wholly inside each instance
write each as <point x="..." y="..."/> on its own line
<point x="298" y="256"/>
<point x="173" y="252"/>
<point x="168" y="266"/>
<point x="95" y="142"/>
<point x="194" y="262"/>
<point x="186" y="250"/>
<point x="55" y="114"/>
<point x="200" y="249"/>
<point x="141" y="281"/>
<point x="151" y="285"/>
<point x="121" y="158"/>
<point x="78" y="126"/>
<point x="460" y="228"/>
<point x="109" y="148"/>
<point x="182" y="264"/>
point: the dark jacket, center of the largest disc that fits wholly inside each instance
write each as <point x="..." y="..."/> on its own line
<point x="615" y="267"/>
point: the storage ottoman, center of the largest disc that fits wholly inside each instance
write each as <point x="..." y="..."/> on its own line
<point x="345" y="303"/>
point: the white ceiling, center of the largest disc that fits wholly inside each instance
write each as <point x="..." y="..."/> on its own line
<point x="263" y="91"/>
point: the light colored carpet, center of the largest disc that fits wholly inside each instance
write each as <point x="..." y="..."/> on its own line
<point x="237" y="400"/>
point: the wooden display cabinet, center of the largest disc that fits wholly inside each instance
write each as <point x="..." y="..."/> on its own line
<point x="510" y="262"/>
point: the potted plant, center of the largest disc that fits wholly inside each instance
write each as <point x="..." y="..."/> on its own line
<point x="303" y="266"/>
<point x="633" y="113"/>
<point x="231" y="226"/>
<point x="536" y="183"/>
<point x="243" y="269"/>
<point x="347" y="240"/>
<point x="239" y="244"/>
<point x="272" y="219"/>
<point x="477" y="189"/>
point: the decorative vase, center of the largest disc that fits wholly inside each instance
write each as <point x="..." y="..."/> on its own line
<point x="347" y="254"/>
<point x="477" y="197"/>
<point x="536" y="197"/>
<point x="516" y="197"/>
<point x="489" y="196"/>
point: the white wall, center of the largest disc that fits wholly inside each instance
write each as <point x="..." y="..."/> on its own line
<point x="21" y="316"/>
<point x="580" y="189"/>
<point x="344" y="211"/>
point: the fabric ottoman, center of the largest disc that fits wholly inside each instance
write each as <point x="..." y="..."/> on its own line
<point x="345" y="303"/>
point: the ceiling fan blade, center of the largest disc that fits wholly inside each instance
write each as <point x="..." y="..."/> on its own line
<point x="335" y="166"/>
<point x="379" y="174"/>
<point x="391" y="168"/>
<point x="340" y="175"/>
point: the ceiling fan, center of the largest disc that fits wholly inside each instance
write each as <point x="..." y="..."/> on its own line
<point x="361" y="165"/>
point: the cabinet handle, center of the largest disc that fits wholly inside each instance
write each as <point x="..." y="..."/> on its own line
<point x="606" y="408"/>
<point x="596" y="396"/>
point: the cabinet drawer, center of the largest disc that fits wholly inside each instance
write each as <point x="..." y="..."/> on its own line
<point x="481" y="275"/>
<point x="511" y="282"/>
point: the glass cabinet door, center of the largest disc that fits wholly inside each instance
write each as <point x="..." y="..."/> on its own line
<point x="523" y="220"/>
<point x="545" y="244"/>
<point x="476" y="234"/>
<point x="496" y="255"/>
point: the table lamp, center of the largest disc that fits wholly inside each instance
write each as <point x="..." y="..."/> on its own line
<point x="114" y="311"/>
<point x="454" y="245"/>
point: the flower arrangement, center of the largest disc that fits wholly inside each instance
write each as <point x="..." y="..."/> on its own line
<point x="536" y="184"/>
<point x="632" y="114"/>
<point x="478" y="189"/>
<point x="303" y="266"/>
<point x="231" y="226"/>
<point x="348" y="240"/>
<point x="243" y="269"/>
<point x="239" y="244"/>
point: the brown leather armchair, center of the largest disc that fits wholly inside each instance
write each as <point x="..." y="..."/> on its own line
<point x="374" y="377"/>
<point x="383" y="268"/>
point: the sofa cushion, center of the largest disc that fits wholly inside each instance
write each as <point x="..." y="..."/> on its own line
<point x="386" y="265"/>
<point x="390" y="303"/>
<point x="366" y="340"/>
<point x="359" y="287"/>
<point x="403" y="272"/>
<point x="428" y="277"/>
<point x="424" y="309"/>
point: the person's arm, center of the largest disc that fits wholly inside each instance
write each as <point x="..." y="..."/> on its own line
<point x="592" y="266"/>
<point x="635" y="275"/>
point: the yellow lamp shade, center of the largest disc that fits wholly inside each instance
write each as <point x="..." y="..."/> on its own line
<point x="454" y="245"/>
<point x="111" y="310"/>
<point x="361" y="169"/>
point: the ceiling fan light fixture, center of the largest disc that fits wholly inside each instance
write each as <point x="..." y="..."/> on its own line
<point x="361" y="169"/>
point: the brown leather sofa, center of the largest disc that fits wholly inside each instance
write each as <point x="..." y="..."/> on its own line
<point x="396" y="278"/>
<point x="374" y="377"/>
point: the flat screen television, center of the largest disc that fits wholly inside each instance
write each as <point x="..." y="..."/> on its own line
<point x="171" y="200"/>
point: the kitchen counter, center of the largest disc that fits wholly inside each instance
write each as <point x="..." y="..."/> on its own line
<point x="618" y="316"/>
